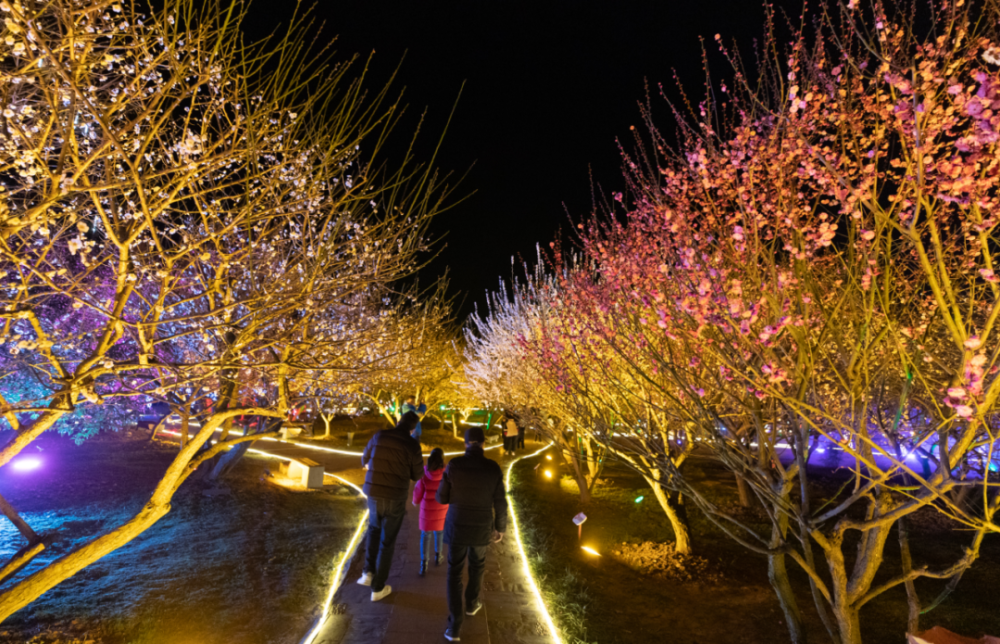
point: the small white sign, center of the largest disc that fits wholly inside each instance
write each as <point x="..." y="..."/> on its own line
<point x="580" y="518"/>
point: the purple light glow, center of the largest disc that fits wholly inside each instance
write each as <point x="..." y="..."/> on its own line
<point x="27" y="464"/>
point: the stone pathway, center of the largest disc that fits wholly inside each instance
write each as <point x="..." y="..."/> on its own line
<point x="416" y="612"/>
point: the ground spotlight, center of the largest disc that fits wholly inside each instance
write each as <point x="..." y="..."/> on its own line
<point x="26" y="464"/>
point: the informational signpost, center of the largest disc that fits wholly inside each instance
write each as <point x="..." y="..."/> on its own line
<point x="578" y="520"/>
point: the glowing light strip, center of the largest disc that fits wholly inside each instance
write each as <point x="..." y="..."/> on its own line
<point x="337" y="577"/>
<point x="328" y="449"/>
<point x="524" y="556"/>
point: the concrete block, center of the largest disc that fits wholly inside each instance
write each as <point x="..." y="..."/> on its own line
<point x="307" y="472"/>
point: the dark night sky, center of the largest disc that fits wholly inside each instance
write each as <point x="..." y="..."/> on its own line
<point x="550" y="85"/>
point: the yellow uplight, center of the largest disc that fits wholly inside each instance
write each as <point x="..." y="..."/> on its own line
<point x="548" y="457"/>
<point x="590" y="550"/>
<point x="548" y="474"/>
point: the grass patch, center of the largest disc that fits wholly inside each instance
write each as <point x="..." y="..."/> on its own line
<point x="728" y="599"/>
<point x="244" y="562"/>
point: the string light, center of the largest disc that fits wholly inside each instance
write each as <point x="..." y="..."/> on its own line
<point x="337" y="577"/>
<point x="321" y="448"/>
<point x="544" y="611"/>
<point x="338" y="572"/>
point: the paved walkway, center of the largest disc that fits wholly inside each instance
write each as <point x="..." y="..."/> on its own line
<point x="416" y="612"/>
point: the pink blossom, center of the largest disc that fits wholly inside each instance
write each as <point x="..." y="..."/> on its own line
<point x="973" y="342"/>
<point x="963" y="411"/>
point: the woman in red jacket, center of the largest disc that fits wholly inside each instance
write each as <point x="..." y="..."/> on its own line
<point x="432" y="513"/>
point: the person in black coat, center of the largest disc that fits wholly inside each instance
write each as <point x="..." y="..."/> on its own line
<point x="473" y="488"/>
<point x="393" y="459"/>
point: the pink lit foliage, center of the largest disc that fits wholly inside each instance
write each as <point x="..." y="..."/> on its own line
<point x="810" y="267"/>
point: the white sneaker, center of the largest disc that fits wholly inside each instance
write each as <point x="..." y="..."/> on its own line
<point x="474" y="608"/>
<point x="451" y="637"/>
<point x="382" y="594"/>
<point x="366" y="579"/>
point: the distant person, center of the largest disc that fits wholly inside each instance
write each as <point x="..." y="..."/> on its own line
<point x="472" y="486"/>
<point x="392" y="458"/>
<point x="432" y="513"/>
<point x="521" y="429"/>
<point x="410" y="406"/>
<point x="510" y="436"/>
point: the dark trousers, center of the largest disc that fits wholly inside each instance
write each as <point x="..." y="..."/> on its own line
<point x="520" y="440"/>
<point x="477" y="566"/>
<point x="384" y="519"/>
<point x="510" y="443"/>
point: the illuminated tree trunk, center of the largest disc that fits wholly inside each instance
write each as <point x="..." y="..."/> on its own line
<point x="187" y="460"/>
<point x="678" y="523"/>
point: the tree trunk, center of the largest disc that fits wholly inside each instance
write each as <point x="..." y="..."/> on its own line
<point x="25" y="435"/>
<point x="849" y="624"/>
<point x="326" y="422"/>
<point x="777" y="574"/>
<point x="592" y="464"/>
<point x="845" y="615"/>
<point x="184" y="429"/>
<point x="26" y="591"/>
<point x="912" y="599"/>
<point x="682" y="535"/>
<point x="32" y="587"/>
<point x="744" y="491"/>
<point x="22" y="526"/>
<point x="228" y="460"/>
<point x="579" y="475"/>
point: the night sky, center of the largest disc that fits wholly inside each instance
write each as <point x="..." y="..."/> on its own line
<point x="550" y="86"/>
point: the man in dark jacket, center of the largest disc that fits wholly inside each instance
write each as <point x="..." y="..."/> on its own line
<point x="472" y="486"/>
<point x="392" y="459"/>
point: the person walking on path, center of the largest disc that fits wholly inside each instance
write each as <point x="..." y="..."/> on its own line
<point x="393" y="459"/>
<point x="473" y="488"/>
<point x="432" y="513"/>
<point x="410" y="406"/>
<point x="510" y="436"/>
<point x="521" y="429"/>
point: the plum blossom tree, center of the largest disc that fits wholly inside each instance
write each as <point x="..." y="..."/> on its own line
<point x="189" y="219"/>
<point x="502" y="374"/>
<point x="811" y="268"/>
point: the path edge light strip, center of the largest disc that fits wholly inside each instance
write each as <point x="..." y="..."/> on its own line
<point x="325" y="449"/>
<point x="339" y="571"/>
<point x="553" y="630"/>
<point x="337" y="578"/>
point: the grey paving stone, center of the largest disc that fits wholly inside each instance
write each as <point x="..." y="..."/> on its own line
<point x="416" y="612"/>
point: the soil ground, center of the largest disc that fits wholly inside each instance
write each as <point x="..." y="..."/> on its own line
<point x="240" y="562"/>
<point x="728" y="599"/>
